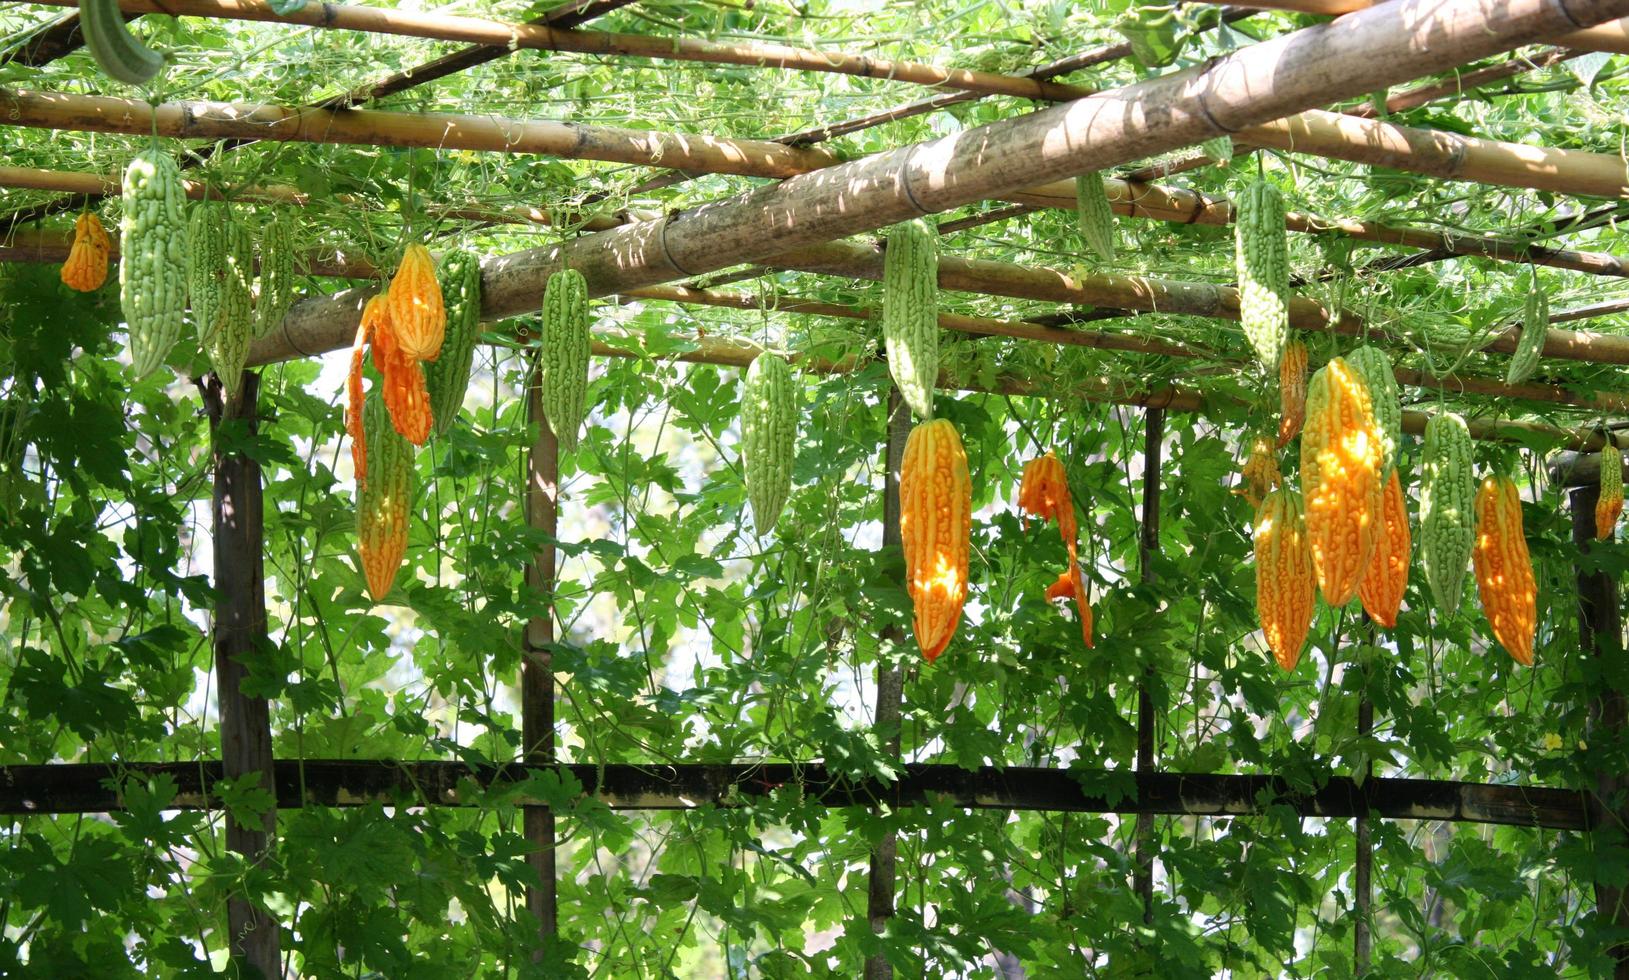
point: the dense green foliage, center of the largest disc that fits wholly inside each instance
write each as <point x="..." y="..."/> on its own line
<point x="687" y="637"/>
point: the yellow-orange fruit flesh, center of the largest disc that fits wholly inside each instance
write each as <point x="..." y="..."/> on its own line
<point x="416" y="307"/>
<point x="1292" y="391"/>
<point x="935" y="524"/>
<point x="86" y="267"/>
<point x="1340" y="479"/>
<point x="1504" y="572"/>
<point x="1285" y="596"/>
<point x="1386" y="578"/>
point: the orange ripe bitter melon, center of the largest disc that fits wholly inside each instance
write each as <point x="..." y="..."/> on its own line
<point x="935" y="524"/>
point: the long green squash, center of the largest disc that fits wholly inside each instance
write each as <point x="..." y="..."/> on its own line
<point x="1261" y="259"/>
<point x="153" y="258"/>
<point x="910" y="312"/>
<point x="565" y="354"/>
<point x="447" y="377"/>
<point x="769" y="432"/>
<point x="1447" y="509"/>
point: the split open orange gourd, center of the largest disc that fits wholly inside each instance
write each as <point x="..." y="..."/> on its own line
<point x="1043" y="492"/>
<point x="86" y="267"/>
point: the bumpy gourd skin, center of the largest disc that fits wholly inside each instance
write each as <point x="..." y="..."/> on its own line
<point x="1292" y="391"/>
<point x="153" y="259"/>
<point x="1260" y="472"/>
<point x="384" y="499"/>
<point x="86" y="267"/>
<point x="1447" y="510"/>
<point x="1504" y="572"/>
<point x="1285" y="581"/>
<point x="1374" y="367"/>
<point x="447" y="378"/>
<point x="1610" y="503"/>
<point x="401" y="377"/>
<point x="769" y="433"/>
<point x="1340" y="479"/>
<point x="1262" y="262"/>
<point x="416" y="306"/>
<point x="935" y="525"/>
<point x="274" y="288"/>
<point x="566" y="346"/>
<point x="910" y="312"/>
<point x="1096" y="216"/>
<point x="1386" y="578"/>
<point x="1535" y="330"/>
<point x="206" y="268"/>
<point x="1043" y="492"/>
<point x="229" y="347"/>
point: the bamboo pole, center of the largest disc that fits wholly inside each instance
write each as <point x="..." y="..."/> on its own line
<point x="1461" y="82"/>
<point x="1612" y="36"/>
<point x="1437" y="153"/>
<point x="376" y="127"/>
<point x="496" y="33"/>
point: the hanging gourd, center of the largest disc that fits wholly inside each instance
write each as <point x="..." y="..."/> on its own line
<point x="1096" y="216"/>
<point x="1447" y="509"/>
<point x="935" y="527"/>
<point x="447" y="377"/>
<point x="564" y="358"/>
<point x="1261" y="261"/>
<point x="1340" y="479"/>
<point x="769" y="433"/>
<point x="1504" y="572"/>
<point x="384" y="495"/>
<point x="1386" y="578"/>
<point x="152" y="258"/>
<point x="1292" y="391"/>
<point x="416" y="307"/>
<point x="1285" y="580"/>
<point x="1260" y="472"/>
<point x="86" y="266"/>
<point x="1610" y="503"/>
<point x="1535" y="329"/>
<point x="910" y="312"/>
<point x="1043" y="492"/>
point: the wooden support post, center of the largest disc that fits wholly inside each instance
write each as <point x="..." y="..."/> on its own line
<point x="537" y="668"/>
<point x="1362" y="861"/>
<point x="890" y="687"/>
<point x="239" y="628"/>
<point x="1148" y="543"/>
<point x="1600" y="631"/>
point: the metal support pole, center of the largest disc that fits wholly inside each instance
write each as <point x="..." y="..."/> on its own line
<point x="890" y="686"/>
<point x="239" y="628"/>
<point x="537" y="670"/>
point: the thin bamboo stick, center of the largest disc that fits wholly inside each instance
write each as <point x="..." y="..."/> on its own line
<point x="495" y="33"/>
<point x="1612" y="36"/>
<point x="375" y="127"/>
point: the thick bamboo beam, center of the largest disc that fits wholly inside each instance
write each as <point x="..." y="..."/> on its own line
<point x="375" y="127"/>
<point x="541" y="37"/>
<point x="1612" y="36"/>
<point x="1461" y="82"/>
<point x="1437" y="153"/>
<point x="91" y="788"/>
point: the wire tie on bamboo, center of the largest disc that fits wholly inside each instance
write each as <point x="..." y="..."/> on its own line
<point x="910" y="193"/>
<point x="1204" y="107"/>
<point x="667" y="252"/>
<point x="1561" y="5"/>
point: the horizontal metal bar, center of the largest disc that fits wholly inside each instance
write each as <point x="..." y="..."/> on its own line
<point x="94" y="788"/>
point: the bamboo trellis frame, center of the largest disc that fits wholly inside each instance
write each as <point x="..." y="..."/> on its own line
<point x="350" y="782"/>
<point x="1611" y="36"/>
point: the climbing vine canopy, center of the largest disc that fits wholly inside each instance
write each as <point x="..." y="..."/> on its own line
<point x="684" y="629"/>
